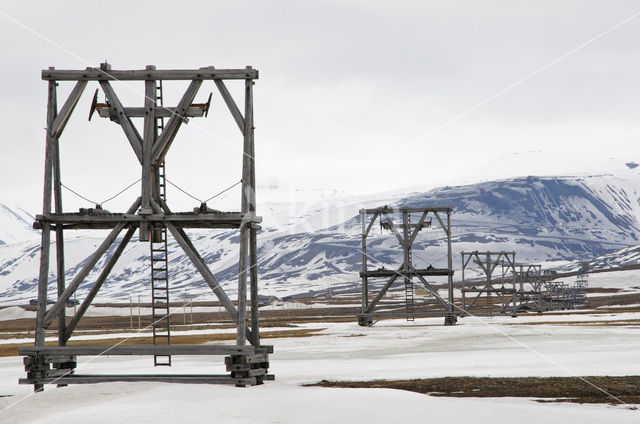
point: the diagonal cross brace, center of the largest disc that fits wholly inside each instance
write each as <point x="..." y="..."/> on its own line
<point x="165" y="138"/>
<point x="98" y="284"/>
<point x="383" y="291"/>
<point x="433" y="291"/>
<point x="88" y="266"/>
<point x="189" y="249"/>
<point x="231" y="104"/>
<point x="67" y="109"/>
<point x="394" y="229"/>
<point x="125" y="122"/>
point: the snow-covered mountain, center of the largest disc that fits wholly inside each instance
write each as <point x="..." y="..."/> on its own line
<point x="16" y="225"/>
<point x="314" y="246"/>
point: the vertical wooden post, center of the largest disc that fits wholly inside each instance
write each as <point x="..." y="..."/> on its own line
<point x="253" y="278"/>
<point x="60" y="269"/>
<point x="149" y="135"/>
<point x="407" y="261"/>
<point x="253" y="242"/>
<point x="365" y="287"/>
<point x="43" y="277"/>
<point x="452" y="318"/>
<point x="247" y="200"/>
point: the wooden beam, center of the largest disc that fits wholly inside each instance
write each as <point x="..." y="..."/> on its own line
<point x="125" y="350"/>
<point x="98" y="284"/>
<point x="165" y="139"/>
<point x="161" y="112"/>
<point x="96" y="74"/>
<point x="60" y="269"/>
<point x="366" y="231"/>
<point x="241" y="335"/>
<point x="400" y="210"/>
<point x="231" y="104"/>
<point x="433" y="291"/>
<point x="43" y="278"/>
<point x="67" y="109"/>
<point x="383" y="291"/>
<point x="417" y="229"/>
<point x="127" y="126"/>
<point x="129" y="378"/>
<point x="149" y="135"/>
<point x="86" y="268"/>
<point x="394" y="230"/>
<point x="226" y="220"/>
<point x="253" y="282"/>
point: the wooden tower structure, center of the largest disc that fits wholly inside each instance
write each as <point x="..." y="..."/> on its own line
<point x="399" y="222"/>
<point x="149" y="215"/>
<point x="497" y="295"/>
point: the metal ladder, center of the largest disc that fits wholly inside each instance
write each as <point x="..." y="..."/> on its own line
<point x="408" y="281"/>
<point x="160" y="265"/>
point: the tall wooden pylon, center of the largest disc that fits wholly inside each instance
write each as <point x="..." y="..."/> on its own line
<point x="151" y="216"/>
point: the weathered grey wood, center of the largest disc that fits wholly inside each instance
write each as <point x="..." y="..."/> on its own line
<point x="86" y="268"/>
<point x="231" y="104"/>
<point x="98" y="284"/>
<point x="373" y="315"/>
<point x="192" y="253"/>
<point x="119" y="350"/>
<point x="365" y="280"/>
<point x="43" y="277"/>
<point x="417" y="229"/>
<point x="161" y="112"/>
<point x="67" y="109"/>
<point x="96" y="74"/>
<point x="253" y="243"/>
<point x="433" y="272"/>
<point x="129" y="378"/>
<point x="434" y="292"/>
<point x="383" y="291"/>
<point x="449" y="263"/>
<point x="230" y="219"/>
<point x="253" y="281"/>
<point x="394" y="230"/>
<point x="246" y="205"/>
<point x="170" y="130"/>
<point x="60" y="268"/>
<point x="400" y="210"/>
<point x="241" y="335"/>
<point x="149" y="135"/>
<point x="366" y="231"/>
<point x="125" y="122"/>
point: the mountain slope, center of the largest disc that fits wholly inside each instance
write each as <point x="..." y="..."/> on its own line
<point x="541" y="218"/>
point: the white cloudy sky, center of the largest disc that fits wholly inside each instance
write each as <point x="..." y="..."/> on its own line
<point x="360" y="96"/>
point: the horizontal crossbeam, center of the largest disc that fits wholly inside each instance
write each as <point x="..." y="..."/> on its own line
<point x="144" y="350"/>
<point x="158" y="378"/>
<point x="160" y="112"/>
<point x="96" y="74"/>
<point x="400" y="210"/>
<point x="183" y="220"/>
<point x="402" y="273"/>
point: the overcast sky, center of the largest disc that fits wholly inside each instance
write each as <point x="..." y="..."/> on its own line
<point x="359" y="96"/>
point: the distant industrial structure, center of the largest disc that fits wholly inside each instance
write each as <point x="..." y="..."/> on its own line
<point x="519" y="287"/>
<point x="150" y="216"/>
<point x="406" y="225"/>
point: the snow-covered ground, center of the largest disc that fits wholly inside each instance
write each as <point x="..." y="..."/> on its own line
<point x="343" y="351"/>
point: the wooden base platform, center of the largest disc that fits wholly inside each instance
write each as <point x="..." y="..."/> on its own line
<point x="367" y="320"/>
<point x="159" y="378"/>
<point x="247" y="365"/>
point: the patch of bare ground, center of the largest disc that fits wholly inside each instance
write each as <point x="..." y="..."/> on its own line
<point x="601" y="389"/>
<point x="11" y="349"/>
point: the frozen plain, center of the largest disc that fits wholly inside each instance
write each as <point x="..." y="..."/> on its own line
<point x="394" y="349"/>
